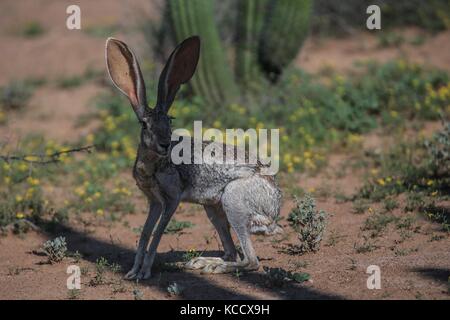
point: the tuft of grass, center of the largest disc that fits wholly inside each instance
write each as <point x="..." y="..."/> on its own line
<point x="390" y="204"/>
<point x="73" y="294"/>
<point x="390" y="39"/>
<point x="377" y="223"/>
<point x="55" y="249"/>
<point x="176" y="226"/>
<point x="366" y="246"/>
<point x="360" y="206"/>
<point x="101" y="266"/>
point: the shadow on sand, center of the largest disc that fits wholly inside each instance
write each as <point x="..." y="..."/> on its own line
<point x="197" y="286"/>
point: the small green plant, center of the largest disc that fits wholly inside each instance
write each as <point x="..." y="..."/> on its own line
<point x="405" y="223"/>
<point x="277" y="277"/>
<point x="73" y="294"/>
<point x="360" y="206"/>
<point x="390" y="39"/>
<point x="101" y="265"/>
<point x="15" y="95"/>
<point x="175" y="289"/>
<point x="191" y="254"/>
<point x="377" y="223"/>
<point x="176" y="226"/>
<point x="55" y="249"/>
<point x="69" y="82"/>
<point x="390" y="204"/>
<point x="366" y="246"/>
<point x="310" y="224"/>
<point x="32" y="29"/>
<point x="138" y="294"/>
<point x="439" y="150"/>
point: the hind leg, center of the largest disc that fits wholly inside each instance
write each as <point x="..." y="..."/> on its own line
<point x="238" y="215"/>
<point x="219" y="220"/>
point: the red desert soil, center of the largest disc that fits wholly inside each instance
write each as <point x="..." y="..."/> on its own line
<point x="415" y="268"/>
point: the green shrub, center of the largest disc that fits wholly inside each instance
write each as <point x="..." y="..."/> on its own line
<point x="55" y="249"/>
<point x="15" y="95"/>
<point x="310" y="224"/>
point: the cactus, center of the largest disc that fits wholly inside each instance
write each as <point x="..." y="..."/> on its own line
<point x="214" y="79"/>
<point x="284" y="32"/>
<point x="250" y="24"/>
<point x="269" y="35"/>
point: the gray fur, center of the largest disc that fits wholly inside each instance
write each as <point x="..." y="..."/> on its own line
<point x="233" y="195"/>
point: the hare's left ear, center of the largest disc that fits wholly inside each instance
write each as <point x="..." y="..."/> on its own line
<point x="126" y="75"/>
<point x="179" y="68"/>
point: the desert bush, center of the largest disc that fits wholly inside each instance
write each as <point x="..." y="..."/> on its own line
<point x="419" y="169"/>
<point x="439" y="151"/>
<point x="55" y="249"/>
<point x="15" y="95"/>
<point x="310" y="224"/>
<point x="175" y="289"/>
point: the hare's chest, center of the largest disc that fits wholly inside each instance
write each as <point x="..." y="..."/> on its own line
<point x="144" y="176"/>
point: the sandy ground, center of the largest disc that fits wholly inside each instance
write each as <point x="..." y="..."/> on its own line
<point x="337" y="271"/>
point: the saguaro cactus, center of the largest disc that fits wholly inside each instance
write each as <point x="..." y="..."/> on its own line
<point x="285" y="30"/>
<point x="214" y="78"/>
<point x="250" y="24"/>
<point x="269" y="35"/>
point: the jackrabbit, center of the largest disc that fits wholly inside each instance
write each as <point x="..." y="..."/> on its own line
<point x="236" y="195"/>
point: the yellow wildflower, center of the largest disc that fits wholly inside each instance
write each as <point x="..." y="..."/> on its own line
<point x="20" y="215"/>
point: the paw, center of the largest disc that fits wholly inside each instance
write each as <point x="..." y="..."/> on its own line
<point x="215" y="268"/>
<point x="132" y="274"/>
<point x="201" y="262"/>
<point x="144" y="274"/>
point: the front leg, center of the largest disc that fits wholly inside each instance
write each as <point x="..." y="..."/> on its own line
<point x="153" y="215"/>
<point x="170" y="207"/>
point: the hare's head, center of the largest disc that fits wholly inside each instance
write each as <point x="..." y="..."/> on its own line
<point x="126" y="75"/>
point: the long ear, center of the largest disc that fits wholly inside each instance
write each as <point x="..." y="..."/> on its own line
<point x="123" y="68"/>
<point x="179" y="68"/>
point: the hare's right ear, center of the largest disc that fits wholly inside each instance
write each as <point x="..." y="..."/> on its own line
<point x="123" y="68"/>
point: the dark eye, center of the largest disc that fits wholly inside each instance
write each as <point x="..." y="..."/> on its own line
<point x="144" y="125"/>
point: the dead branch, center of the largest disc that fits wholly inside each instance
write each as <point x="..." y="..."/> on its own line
<point x="45" y="158"/>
